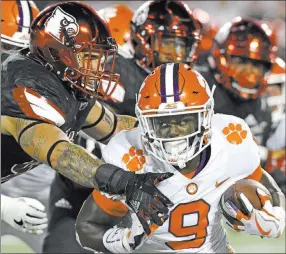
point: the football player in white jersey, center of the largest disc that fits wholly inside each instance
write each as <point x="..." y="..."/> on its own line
<point x="207" y="153"/>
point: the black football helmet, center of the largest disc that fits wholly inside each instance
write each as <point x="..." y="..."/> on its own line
<point x="73" y="40"/>
<point x="164" y="31"/>
<point x="246" y="41"/>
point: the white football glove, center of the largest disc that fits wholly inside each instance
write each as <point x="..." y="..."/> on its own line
<point x="24" y="214"/>
<point x="269" y="221"/>
<point x="125" y="240"/>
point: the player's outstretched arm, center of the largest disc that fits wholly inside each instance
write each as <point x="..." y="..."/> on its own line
<point x="103" y="225"/>
<point x="48" y="144"/>
<point x="101" y="124"/>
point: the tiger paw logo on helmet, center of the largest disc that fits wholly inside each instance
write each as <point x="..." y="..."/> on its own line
<point x="60" y="20"/>
<point x="134" y="160"/>
<point x="234" y="133"/>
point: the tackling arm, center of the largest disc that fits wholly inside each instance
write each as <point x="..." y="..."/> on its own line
<point x="48" y="144"/>
<point x="101" y="124"/>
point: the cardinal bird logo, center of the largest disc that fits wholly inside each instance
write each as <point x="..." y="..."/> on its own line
<point x="58" y="21"/>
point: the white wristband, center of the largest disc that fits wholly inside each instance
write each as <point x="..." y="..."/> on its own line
<point x="115" y="240"/>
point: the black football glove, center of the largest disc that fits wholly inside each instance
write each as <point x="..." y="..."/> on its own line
<point x="142" y="196"/>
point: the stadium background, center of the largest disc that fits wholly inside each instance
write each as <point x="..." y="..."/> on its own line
<point x="219" y="12"/>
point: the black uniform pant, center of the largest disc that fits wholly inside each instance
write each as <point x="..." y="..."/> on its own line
<point x="66" y="199"/>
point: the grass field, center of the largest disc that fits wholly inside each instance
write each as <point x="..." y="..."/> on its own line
<point x="242" y="243"/>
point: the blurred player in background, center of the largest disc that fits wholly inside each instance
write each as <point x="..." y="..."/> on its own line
<point x="240" y="59"/>
<point x="276" y="91"/>
<point x="208" y="31"/>
<point x="161" y="31"/>
<point x="276" y="143"/>
<point x="178" y="132"/>
<point x="118" y="18"/>
<point x="16" y="17"/>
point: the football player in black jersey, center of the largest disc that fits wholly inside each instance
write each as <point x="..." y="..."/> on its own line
<point x="241" y="56"/>
<point x="49" y="93"/>
<point x="161" y="31"/>
<point x="276" y="161"/>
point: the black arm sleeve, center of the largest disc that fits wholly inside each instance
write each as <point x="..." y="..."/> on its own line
<point x="91" y="224"/>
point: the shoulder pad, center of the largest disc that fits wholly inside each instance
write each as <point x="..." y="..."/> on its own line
<point x="35" y="106"/>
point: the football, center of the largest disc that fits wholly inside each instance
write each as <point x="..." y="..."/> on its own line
<point x="248" y="188"/>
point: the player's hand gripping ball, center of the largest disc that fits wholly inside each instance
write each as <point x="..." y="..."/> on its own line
<point x="247" y="206"/>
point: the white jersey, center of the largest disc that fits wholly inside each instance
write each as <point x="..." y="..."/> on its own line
<point x="194" y="224"/>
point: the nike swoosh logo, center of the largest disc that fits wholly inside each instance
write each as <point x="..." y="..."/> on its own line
<point x="110" y="237"/>
<point x="20" y="222"/>
<point x="260" y="228"/>
<point x="217" y="184"/>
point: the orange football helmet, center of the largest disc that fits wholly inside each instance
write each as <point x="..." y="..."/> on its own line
<point x="72" y="40"/>
<point x="16" y="18"/>
<point x="249" y="41"/>
<point x="174" y="92"/>
<point x="118" y="18"/>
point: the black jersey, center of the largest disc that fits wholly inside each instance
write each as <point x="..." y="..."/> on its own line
<point x="256" y="113"/>
<point x="30" y="91"/>
<point x="4" y="56"/>
<point x="132" y="77"/>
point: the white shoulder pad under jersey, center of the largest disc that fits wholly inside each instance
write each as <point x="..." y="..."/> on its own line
<point x="232" y="142"/>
